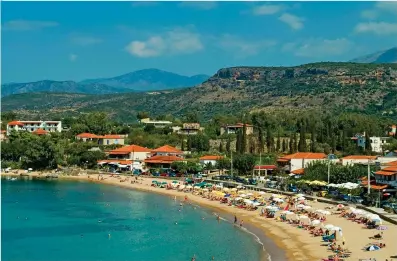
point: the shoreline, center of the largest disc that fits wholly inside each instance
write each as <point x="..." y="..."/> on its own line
<point x="281" y="240"/>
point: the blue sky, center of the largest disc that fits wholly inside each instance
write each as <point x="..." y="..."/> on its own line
<point x="80" y="40"/>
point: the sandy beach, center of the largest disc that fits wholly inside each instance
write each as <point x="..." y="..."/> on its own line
<point x="298" y="244"/>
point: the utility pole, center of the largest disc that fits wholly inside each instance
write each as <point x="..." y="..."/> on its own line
<point x="329" y="169"/>
<point x="369" y="179"/>
<point x="260" y="163"/>
<point x="231" y="163"/>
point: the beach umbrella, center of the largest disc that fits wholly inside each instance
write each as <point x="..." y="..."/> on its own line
<point x="316" y="222"/>
<point x="299" y="195"/>
<point x="225" y="189"/>
<point x="303" y="217"/>
<point x="373" y="248"/>
<point x="250" y="194"/>
<point x="238" y="198"/>
<point x="262" y="192"/>
<point x="189" y="187"/>
<point x="300" y="206"/>
<point x="329" y="226"/>
<point x="335" y="229"/>
<point x="256" y="203"/>
<point x="243" y="195"/>
<point x="381" y="227"/>
<point x="306" y="207"/>
<point x="340" y="206"/>
<point x="301" y="198"/>
<point x="352" y="209"/>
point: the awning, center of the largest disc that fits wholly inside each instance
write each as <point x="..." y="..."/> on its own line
<point x="283" y="160"/>
<point x="298" y="171"/>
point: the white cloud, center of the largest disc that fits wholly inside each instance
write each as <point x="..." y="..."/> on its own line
<point x="73" y="57"/>
<point x="242" y="47"/>
<point x="266" y="9"/>
<point x="379" y="9"/>
<point x="85" y="40"/>
<point x="293" y="21"/>
<point x="207" y="5"/>
<point x="27" y="25"/>
<point x="176" y="41"/>
<point x="379" y="28"/>
<point x="319" y="48"/>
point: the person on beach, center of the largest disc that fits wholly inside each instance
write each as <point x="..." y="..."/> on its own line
<point x="241" y="223"/>
<point x="218" y="218"/>
<point x="235" y="219"/>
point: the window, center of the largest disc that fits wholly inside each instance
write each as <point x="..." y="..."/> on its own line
<point x="116" y="141"/>
<point x="107" y="142"/>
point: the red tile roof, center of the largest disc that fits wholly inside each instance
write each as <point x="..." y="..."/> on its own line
<point x="211" y="157"/>
<point x="359" y="157"/>
<point x="264" y="167"/>
<point x="167" y="149"/>
<point x="391" y="168"/>
<point x="162" y="159"/>
<point x="14" y="123"/>
<point x="130" y="148"/>
<point x="40" y="132"/>
<point x="86" y="135"/>
<point x="385" y="173"/>
<point x="304" y="155"/>
<point x="298" y="171"/>
<point x="392" y="163"/>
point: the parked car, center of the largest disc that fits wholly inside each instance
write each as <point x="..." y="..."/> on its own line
<point x="356" y="199"/>
<point x="238" y="179"/>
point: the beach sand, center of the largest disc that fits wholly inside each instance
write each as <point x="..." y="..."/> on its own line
<point x="298" y="244"/>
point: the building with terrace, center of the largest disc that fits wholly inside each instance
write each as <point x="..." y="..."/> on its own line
<point x="300" y="160"/>
<point x="358" y="159"/>
<point x="188" y="129"/>
<point x="157" y="124"/>
<point x="167" y="150"/>
<point x="130" y="152"/>
<point x="108" y="139"/>
<point x="161" y="161"/>
<point x="33" y="126"/>
<point x="234" y="128"/>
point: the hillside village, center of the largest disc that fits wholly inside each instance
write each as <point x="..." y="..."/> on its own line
<point x="192" y="150"/>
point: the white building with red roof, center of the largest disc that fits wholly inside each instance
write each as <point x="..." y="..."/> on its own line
<point x="213" y="159"/>
<point x="108" y="139"/>
<point x="33" y="126"/>
<point x="167" y="150"/>
<point x="130" y="152"/>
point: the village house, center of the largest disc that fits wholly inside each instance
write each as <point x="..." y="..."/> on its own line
<point x="157" y="124"/>
<point x="161" y="161"/>
<point x="387" y="175"/>
<point x="188" y="129"/>
<point x="130" y="152"/>
<point x="358" y="159"/>
<point x="213" y="159"/>
<point x="32" y="126"/>
<point x="300" y="160"/>
<point x="109" y="139"/>
<point x="264" y="169"/>
<point x="377" y="143"/>
<point x="233" y="129"/>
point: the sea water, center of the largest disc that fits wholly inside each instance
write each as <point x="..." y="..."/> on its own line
<point x="71" y="220"/>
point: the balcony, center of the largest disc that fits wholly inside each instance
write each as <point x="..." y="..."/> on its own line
<point x="392" y="183"/>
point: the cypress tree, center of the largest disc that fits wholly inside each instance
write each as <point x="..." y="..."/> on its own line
<point x="367" y="142"/>
<point x="295" y="143"/>
<point x="313" y="140"/>
<point x="182" y="143"/>
<point x="244" y="139"/>
<point x="291" y="144"/>
<point x="278" y="144"/>
<point x="221" y="146"/>
<point x="228" y="145"/>
<point x="284" y="146"/>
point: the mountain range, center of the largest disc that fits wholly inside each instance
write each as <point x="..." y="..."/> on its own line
<point x="138" y="81"/>
<point x="331" y="87"/>
<point x="387" y="56"/>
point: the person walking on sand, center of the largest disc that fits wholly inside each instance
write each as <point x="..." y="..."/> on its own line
<point x="235" y="219"/>
<point x="241" y="223"/>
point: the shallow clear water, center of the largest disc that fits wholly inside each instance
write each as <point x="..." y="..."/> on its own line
<point x="58" y="220"/>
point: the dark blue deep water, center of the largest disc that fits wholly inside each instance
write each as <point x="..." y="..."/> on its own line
<point x="59" y="221"/>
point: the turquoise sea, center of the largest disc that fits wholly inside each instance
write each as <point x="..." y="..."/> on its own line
<point x="70" y="220"/>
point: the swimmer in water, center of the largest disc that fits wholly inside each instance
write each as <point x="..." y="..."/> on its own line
<point x="109" y="235"/>
<point x="218" y="218"/>
<point x="174" y="198"/>
<point x="241" y="223"/>
<point x="99" y="221"/>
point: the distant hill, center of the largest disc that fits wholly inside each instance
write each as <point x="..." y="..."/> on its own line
<point x="333" y="87"/>
<point x="151" y="80"/>
<point x="60" y="86"/>
<point x="388" y="56"/>
<point x="138" y="81"/>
